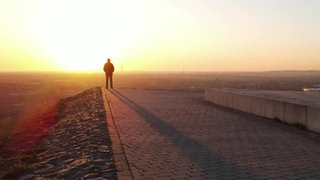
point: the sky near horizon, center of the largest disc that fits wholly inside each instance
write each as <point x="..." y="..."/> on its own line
<point x="160" y="35"/>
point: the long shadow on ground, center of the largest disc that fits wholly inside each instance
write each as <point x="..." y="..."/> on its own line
<point x="214" y="165"/>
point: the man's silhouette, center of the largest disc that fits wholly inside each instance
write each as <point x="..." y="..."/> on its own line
<point x="108" y="69"/>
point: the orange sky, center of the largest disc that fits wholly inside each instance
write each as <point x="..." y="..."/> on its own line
<point x="160" y="35"/>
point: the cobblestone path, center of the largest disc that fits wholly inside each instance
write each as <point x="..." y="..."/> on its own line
<point x="78" y="146"/>
<point x="177" y="135"/>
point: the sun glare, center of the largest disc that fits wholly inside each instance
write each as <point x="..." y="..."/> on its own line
<point x="158" y="35"/>
<point x="81" y="38"/>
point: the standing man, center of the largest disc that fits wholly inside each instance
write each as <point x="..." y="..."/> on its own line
<point x="108" y="69"/>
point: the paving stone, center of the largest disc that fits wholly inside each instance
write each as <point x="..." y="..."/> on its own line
<point x="177" y="135"/>
<point x="170" y="135"/>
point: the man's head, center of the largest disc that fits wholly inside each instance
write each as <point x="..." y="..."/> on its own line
<point x="108" y="60"/>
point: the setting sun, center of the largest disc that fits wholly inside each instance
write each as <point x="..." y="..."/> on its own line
<point x="76" y="36"/>
<point x="159" y="35"/>
<point x="80" y="37"/>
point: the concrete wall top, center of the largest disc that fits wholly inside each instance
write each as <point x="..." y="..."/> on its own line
<point x="311" y="99"/>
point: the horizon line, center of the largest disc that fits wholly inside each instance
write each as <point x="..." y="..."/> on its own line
<point x="160" y="71"/>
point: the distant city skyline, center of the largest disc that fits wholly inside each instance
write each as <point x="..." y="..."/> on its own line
<point x="160" y="35"/>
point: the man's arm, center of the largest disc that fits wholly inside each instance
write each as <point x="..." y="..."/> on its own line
<point x="104" y="68"/>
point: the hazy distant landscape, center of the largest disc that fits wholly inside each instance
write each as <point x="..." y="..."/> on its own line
<point x="26" y="95"/>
